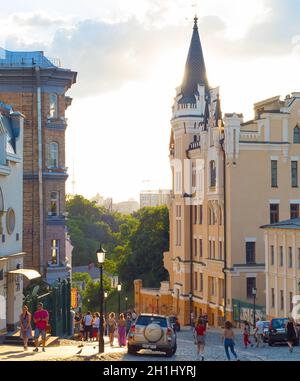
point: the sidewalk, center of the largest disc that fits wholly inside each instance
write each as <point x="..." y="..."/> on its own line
<point x="58" y="353"/>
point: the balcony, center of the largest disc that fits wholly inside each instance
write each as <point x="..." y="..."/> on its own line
<point x="59" y="123"/>
<point x="57" y="220"/>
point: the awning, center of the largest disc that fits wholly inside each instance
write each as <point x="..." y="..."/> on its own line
<point x="30" y="274"/>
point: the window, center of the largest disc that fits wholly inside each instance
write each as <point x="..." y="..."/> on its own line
<point x="220" y="216"/>
<point x="55" y="252"/>
<point x="251" y="283"/>
<point x="209" y="249"/>
<point x="274" y="183"/>
<point x="178" y="232"/>
<point x="196" y="281"/>
<point x="212" y="167"/>
<point x="281" y="300"/>
<point x="201" y="215"/>
<point x="53" y="155"/>
<point x="274" y="213"/>
<point x="53" y="106"/>
<point x="296" y="135"/>
<point x="195" y="247"/>
<point x="195" y="213"/>
<point x="214" y="250"/>
<point x="201" y="247"/>
<point x="272" y="255"/>
<point x="250" y="252"/>
<point x="54" y="204"/>
<point x="200" y="282"/>
<point x="294" y="172"/>
<point x="272" y="297"/>
<point x="291" y="301"/>
<point x="281" y="256"/>
<point x="290" y="257"/>
<point x="221" y="250"/>
<point x="10" y="221"/>
<point x="212" y="286"/>
<point x="294" y="211"/>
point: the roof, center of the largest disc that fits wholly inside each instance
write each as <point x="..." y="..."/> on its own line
<point x="195" y="71"/>
<point x="25" y="59"/>
<point x="287" y="224"/>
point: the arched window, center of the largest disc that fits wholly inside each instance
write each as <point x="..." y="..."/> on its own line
<point x="212" y="168"/>
<point x="297" y="135"/>
<point x="53" y="110"/>
<point x="53" y="155"/>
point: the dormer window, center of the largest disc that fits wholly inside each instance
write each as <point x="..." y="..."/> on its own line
<point x="53" y="113"/>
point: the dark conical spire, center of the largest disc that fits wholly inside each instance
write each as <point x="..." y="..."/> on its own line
<point x="195" y="72"/>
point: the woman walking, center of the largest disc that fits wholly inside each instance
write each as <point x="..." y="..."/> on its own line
<point x="26" y="330"/>
<point x="200" y="330"/>
<point x="291" y="331"/>
<point x="122" y="330"/>
<point x="96" y="325"/>
<point x="111" y="324"/>
<point x="228" y="340"/>
<point x="246" y="335"/>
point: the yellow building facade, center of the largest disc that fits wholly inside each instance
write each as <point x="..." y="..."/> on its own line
<point x="229" y="178"/>
<point x="282" y="251"/>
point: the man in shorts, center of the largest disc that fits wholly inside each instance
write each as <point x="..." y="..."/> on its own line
<point x="40" y="318"/>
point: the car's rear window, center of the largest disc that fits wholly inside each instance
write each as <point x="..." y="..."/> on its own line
<point x="279" y="323"/>
<point x="145" y="320"/>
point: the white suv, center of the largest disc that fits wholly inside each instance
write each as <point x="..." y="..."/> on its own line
<point x="153" y="332"/>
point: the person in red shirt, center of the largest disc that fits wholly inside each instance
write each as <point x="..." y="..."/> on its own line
<point x="40" y="318"/>
<point x="200" y="331"/>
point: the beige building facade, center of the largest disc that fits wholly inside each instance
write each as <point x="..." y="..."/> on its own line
<point x="229" y="178"/>
<point x="282" y="258"/>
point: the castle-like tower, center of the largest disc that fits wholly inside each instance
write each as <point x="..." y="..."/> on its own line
<point x="37" y="86"/>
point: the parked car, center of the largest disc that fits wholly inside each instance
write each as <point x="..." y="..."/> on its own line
<point x="151" y="331"/>
<point x="266" y="331"/>
<point x="277" y="332"/>
<point x="175" y="322"/>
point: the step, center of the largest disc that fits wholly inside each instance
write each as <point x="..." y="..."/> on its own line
<point x="13" y="338"/>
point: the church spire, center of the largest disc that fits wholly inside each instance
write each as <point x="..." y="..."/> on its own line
<point x="195" y="71"/>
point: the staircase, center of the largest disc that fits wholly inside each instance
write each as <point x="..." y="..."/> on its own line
<point x="13" y="338"/>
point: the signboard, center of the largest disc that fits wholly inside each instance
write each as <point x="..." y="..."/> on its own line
<point x="74" y="298"/>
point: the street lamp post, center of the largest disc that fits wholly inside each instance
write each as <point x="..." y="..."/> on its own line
<point x="191" y="307"/>
<point x="126" y="300"/>
<point x="105" y="310"/>
<point x="101" y="258"/>
<point x="157" y="299"/>
<point x="119" y="291"/>
<point x="254" y="290"/>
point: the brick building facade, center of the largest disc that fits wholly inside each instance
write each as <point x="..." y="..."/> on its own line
<point x="36" y="87"/>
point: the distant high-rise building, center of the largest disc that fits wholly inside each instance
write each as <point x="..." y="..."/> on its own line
<point x="155" y="198"/>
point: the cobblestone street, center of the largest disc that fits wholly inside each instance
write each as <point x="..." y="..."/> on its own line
<point x="186" y="351"/>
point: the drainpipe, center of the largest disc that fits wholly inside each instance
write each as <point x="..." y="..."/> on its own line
<point x="225" y="229"/>
<point x="40" y="165"/>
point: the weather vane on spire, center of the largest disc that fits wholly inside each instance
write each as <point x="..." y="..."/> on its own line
<point x="194" y="5"/>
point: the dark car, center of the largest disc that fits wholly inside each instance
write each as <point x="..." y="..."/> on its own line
<point x="175" y="322"/>
<point x="277" y="332"/>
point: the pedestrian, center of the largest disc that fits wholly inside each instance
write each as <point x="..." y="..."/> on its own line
<point x="96" y="326"/>
<point x="292" y="334"/>
<point x="228" y="340"/>
<point x="122" y="331"/>
<point x="41" y="318"/>
<point x="128" y="323"/>
<point x="81" y="333"/>
<point x="133" y="316"/>
<point x="88" y="326"/>
<point x="111" y="324"/>
<point x="259" y="331"/>
<point x="246" y="335"/>
<point x="26" y="330"/>
<point x="200" y="331"/>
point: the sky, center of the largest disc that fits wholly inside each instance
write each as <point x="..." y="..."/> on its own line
<point x="130" y="57"/>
